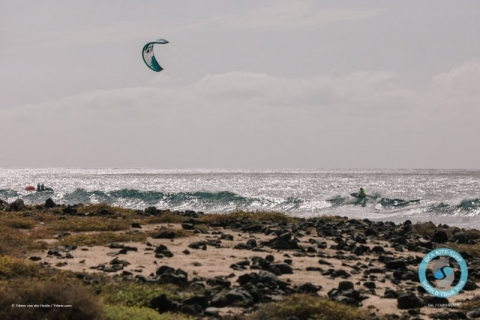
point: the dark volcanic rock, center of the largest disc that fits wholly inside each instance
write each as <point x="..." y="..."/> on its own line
<point x="197" y="245"/>
<point x="164" y="270"/>
<point x="188" y="226"/>
<point x="252" y="228"/>
<point x="345" y="285"/>
<point x="283" y="267"/>
<point x="434" y="300"/>
<point x="235" y="296"/>
<point x="279" y="244"/>
<point x="162" y="304"/>
<point x="474" y="314"/>
<point x="239" y="295"/>
<point x="325" y="262"/>
<point x="69" y="210"/>
<point x="409" y="301"/>
<point x="460" y="237"/>
<point x="378" y="249"/>
<point x="395" y="264"/>
<point x="164" y="235"/>
<point x="16" y="205"/>
<point x="177" y="279"/>
<point x="49" y="203"/>
<point x="391" y="294"/>
<point x="470" y="286"/>
<point x="440" y="236"/>
<point x="219" y="281"/>
<point x="226" y="237"/>
<point x="115" y="245"/>
<point x="309" y="288"/>
<point x="202" y="301"/>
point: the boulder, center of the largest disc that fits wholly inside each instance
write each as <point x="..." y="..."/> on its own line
<point x="409" y="301"/>
<point x="164" y="235"/>
<point x="162" y="304"/>
<point x="440" y="236"/>
<point x="16" y="205"/>
<point x="49" y="203"/>
<point x="460" y="237"/>
<point x="395" y="264"/>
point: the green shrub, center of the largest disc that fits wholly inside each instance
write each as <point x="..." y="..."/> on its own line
<point x="136" y="294"/>
<point x="118" y="312"/>
<point x="306" y="307"/>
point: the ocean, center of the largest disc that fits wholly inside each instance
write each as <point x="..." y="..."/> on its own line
<point x="440" y="196"/>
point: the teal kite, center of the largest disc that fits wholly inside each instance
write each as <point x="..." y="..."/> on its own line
<point x="149" y="57"/>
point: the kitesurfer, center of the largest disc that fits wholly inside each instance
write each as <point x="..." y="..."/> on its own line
<point x="38" y="186"/>
<point x="361" y="193"/>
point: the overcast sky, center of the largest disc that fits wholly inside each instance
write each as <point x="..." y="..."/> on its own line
<point x="246" y="84"/>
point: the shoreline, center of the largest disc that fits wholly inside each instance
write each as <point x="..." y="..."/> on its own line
<point x="237" y="263"/>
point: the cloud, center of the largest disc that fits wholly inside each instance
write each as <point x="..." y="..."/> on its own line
<point x="453" y="97"/>
<point x="355" y="94"/>
<point x="286" y="15"/>
<point x="239" y="112"/>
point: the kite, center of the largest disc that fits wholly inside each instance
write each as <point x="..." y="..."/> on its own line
<point x="149" y="57"/>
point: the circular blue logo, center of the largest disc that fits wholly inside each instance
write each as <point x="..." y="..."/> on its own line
<point x="443" y="273"/>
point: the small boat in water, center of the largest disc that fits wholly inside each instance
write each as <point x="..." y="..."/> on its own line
<point x="32" y="188"/>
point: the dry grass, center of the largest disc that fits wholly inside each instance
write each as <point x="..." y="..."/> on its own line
<point x="470" y="304"/>
<point x="102" y="238"/>
<point x="471" y="249"/>
<point x="14" y="241"/>
<point x="27" y="283"/>
<point x="16" y="220"/>
<point x="179" y="233"/>
<point x="474" y="234"/>
<point x="80" y="224"/>
<point x="11" y="268"/>
<point x="425" y="228"/>
<point x="167" y="217"/>
<point x="428" y="229"/>
<point x="81" y="302"/>
<point x="88" y="208"/>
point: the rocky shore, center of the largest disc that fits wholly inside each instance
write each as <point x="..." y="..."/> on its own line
<point x="236" y="264"/>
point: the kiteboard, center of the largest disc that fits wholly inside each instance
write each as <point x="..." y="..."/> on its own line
<point x="355" y="195"/>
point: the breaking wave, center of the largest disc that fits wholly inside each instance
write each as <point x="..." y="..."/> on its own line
<point x="226" y="201"/>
